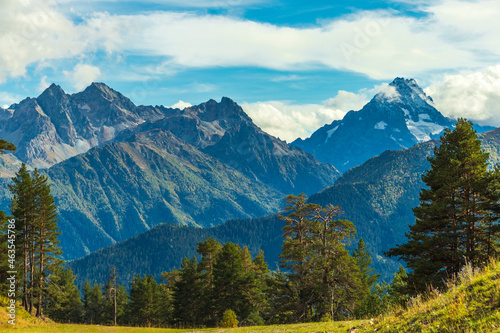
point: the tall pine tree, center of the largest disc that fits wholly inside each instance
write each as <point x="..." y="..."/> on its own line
<point x="23" y="209"/>
<point x="457" y="219"/>
<point x="47" y="250"/>
<point x="188" y="299"/>
<point x="323" y="280"/>
<point x="63" y="297"/>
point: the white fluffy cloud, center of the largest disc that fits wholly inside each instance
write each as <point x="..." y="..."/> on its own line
<point x="378" y="44"/>
<point x="82" y="76"/>
<point x="381" y="44"/>
<point x="7" y="99"/>
<point x="32" y="31"/>
<point x="475" y="95"/>
<point x="289" y="121"/>
<point x="181" y="105"/>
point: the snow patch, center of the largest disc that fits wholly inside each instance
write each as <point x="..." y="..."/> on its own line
<point x="424" y="116"/>
<point x="389" y="93"/>
<point x="381" y="125"/>
<point x="84" y="107"/>
<point x="422" y="130"/>
<point x="5" y="107"/>
<point x="82" y="146"/>
<point x="407" y="113"/>
<point x="330" y="133"/>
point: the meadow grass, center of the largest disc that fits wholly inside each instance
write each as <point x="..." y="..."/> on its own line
<point x="344" y="326"/>
<point x="471" y="304"/>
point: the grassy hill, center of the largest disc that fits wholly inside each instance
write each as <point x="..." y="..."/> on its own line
<point x="27" y="323"/>
<point x="472" y="304"/>
<point x="23" y="319"/>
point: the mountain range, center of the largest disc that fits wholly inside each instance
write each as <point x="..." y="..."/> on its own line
<point x="117" y="169"/>
<point x="398" y="117"/>
<point x="378" y="196"/>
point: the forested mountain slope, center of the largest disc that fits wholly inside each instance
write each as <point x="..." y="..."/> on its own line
<point x="163" y="248"/>
<point x="119" y="190"/>
<point x="118" y="169"/>
<point x="377" y="196"/>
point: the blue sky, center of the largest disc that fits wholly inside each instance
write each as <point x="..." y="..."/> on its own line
<point x="292" y="65"/>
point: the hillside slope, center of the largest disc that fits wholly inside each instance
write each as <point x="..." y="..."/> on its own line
<point x="122" y="189"/>
<point x="163" y="248"/>
<point x="377" y="197"/>
<point x="23" y="319"/>
<point x="472" y="305"/>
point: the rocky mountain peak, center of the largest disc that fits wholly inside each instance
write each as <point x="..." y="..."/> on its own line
<point x="53" y="90"/>
<point x="399" y="116"/>
<point x="99" y="92"/>
<point x="224" y="110"/>
<point x="404" y="99"/>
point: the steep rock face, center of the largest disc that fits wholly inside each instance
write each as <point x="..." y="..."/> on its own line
<point x="396" y="118"/>
<point x="224" y="131"/>
<point x="114" y="192"/>
<point x="117" y="169"/>
<point x="56" y="126"/>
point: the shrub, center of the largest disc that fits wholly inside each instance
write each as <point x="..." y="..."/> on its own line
<point x="229" y="319"/>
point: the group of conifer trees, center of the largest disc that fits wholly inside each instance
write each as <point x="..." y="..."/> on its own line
<point x="34" y="218"/>
<point x="225" y="278"/>
<point x="36" y="245"/>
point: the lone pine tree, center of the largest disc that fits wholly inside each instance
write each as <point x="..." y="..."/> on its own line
<point x="457" y="219"/>
<point x="324" y="279"/>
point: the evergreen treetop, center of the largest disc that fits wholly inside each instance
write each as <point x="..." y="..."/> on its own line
<point x="456" y="221"/>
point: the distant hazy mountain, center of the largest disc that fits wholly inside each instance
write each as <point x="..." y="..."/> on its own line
<point x="397" y="118"/>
